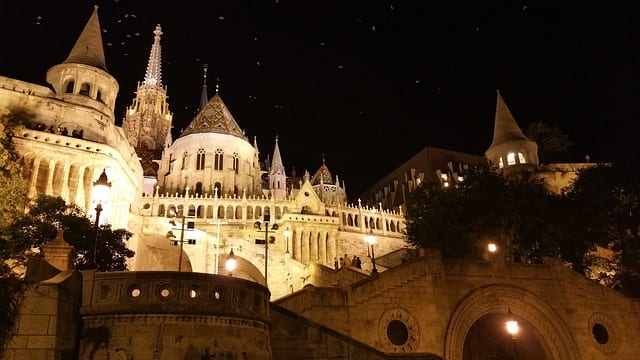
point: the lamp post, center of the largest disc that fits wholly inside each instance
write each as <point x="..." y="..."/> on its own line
<point x="190" y="226"/>
<point x="287" y="233"/>
<point x="371" y="240"/>
<point x="101" y="189"/>
<point x="274" y="227"/>
<point x="231" y="263"/>
<point x="512" y="329"/>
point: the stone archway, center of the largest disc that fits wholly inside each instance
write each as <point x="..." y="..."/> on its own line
<point x="244" y="269"/>
<point x="551" y="331"/>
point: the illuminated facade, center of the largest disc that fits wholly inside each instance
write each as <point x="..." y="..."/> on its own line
<point x="416" y="306"/>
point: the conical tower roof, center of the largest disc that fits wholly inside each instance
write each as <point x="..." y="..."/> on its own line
<point x="215" y="117"/>
<point x="505" y="127"/>
<point x="88" y="49"/>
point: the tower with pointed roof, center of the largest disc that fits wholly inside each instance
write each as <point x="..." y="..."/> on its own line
<point x="82" y="78"/>
<point x="277" y="176"/>
<point x="510" y="152"/>
<point x="71" y="136"/>
<point x="147" y="121"/>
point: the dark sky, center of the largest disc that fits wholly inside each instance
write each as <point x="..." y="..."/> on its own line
<point x="366" y="84"/>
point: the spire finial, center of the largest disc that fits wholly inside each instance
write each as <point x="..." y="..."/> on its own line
<point x="322" y="158"/>
<point x="217" y="85"/>
<point x="204" y="68"/>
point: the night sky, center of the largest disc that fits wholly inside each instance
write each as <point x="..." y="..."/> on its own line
<point x="364" y="84"/>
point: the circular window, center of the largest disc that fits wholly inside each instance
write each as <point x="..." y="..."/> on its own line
<point x="605" y="335"/>
<point x="193" y="293"/>
<point x="134" y="291"/>
<point x="600" y="333"/>
<point x="216" y="295"/>
<point x="165" y="292"/>
<point x="397" y="332"/>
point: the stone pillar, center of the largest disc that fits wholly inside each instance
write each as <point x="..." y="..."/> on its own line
<point x="59" y="253"/>
<point x="33" y="190"/>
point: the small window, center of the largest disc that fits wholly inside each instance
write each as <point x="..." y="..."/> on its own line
<point x="236" y="162"/>
<point x="511" y="158"/>
<point x="84" y="89"/>
<point x="521" y="158"/>
<point x="200" y="159"/>
<point x="70" y="86"/>
<point x="218" y="159"/>
<point x="184" y="161"/>
<point x="500" y="163"/>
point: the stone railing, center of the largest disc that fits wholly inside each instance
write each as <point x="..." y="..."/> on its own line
<point x="177" y="293"/>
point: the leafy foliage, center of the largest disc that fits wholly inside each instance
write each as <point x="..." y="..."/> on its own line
<point x="48" y="214"/>
<point x="485" y="207"/>
<point x="552" y="142"/>
<point x="13" y="201"/>
<point x="594" y="226"/>
<point x="606" y="217"/>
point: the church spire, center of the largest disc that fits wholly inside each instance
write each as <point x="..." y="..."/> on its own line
<point x="153" y="76"/>
<point x="277" y="167"/>
<point x="204" y="97"/>
<point x="88" y="49"/>
<point x="277" y="176"/>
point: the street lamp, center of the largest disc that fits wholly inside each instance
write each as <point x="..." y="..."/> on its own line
<point x="231" y="263"/>
<point x="287" y="233"/>
<point x="492" y="247"/>
<point x="512" y="328"/>
<point x="371" y="240"/>
<point x="190" y="226"/>
<point x="101" y="189"/>
<point x="274" y="227"/>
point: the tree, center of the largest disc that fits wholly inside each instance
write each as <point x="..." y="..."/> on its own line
<point x="552" y="142"/>
<point x="460" y="221"/>
<point x="48" y="214"/>
<point x="606" y="217"/>
<point x="13" y="201"/>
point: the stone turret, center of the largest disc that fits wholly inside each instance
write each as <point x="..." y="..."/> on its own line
<point x="83" y="78"/>
<point x="511" y="152"/>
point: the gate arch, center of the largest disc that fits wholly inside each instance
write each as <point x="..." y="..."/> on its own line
<point x="550" y="329"/>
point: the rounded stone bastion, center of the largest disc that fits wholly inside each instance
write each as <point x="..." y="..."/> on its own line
<point x="173" y="315"/>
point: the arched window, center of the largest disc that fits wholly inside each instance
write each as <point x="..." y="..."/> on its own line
<point x="521" y="158"/>
<point x="70" y="86"/>
<point x="511" y="158"/>
<point x="84" y="89"/>
<point x="199" y="188"/>
<point x="218" y="160"/>
<point x="500" y="163"/>
<point x="236" y="162"/>
<point x="200" y="159"/>
<point x="184" y="161"/>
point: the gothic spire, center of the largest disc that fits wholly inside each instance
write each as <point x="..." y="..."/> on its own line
<point x="277" y="167"/>
<point x="88" y="48"/>
<point x="204" y="97"/>
<point x="153" y="76"/>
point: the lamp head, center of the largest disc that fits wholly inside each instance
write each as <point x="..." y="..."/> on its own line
<point x="370" y="238"/>
<point x="231" y="262"/>
<point x="101" y="187"/>
<point x="257" y="225"/>
<point x="287" y="232"/>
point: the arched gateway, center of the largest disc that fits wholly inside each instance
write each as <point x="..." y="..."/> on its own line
<point x="550" y="330"/>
